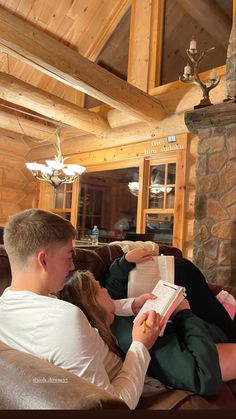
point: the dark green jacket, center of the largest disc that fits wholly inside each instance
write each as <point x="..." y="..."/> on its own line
<point x="186" y="356"/>
<point x="116" y="280"/>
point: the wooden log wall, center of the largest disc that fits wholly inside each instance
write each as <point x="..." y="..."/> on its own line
<point x="18" y="190"/>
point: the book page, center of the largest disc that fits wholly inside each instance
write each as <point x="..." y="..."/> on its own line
<point x="165" y="293"/>
<point x="145" y="275"/>
<point x="169" y="297"/>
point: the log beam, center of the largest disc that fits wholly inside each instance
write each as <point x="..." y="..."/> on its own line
<point x="16" y="91"/>
<point x="145" y="46"/>
<point x="125" y="135"/>
<point x="15" y="123"/>
<point x="139" y="44"/>
<point x="23" y="40"/>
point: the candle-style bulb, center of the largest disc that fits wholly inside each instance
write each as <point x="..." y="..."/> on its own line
<point x="193" y="45"/>
<point x="213" y="75"/>
<point x="187" y="70"/>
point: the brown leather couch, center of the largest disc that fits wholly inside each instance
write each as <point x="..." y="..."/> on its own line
<point x="28" y="382"/>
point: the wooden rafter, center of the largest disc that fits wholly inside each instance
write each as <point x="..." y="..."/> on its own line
<point x="16" y="91"/>
<point x="129" y="134"/>
<point x="20" y="38"/>
<point x="16" y="123"/>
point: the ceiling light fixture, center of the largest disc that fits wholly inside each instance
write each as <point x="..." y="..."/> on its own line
<point x="56" y="172"/>
<point x="134" y="188"/>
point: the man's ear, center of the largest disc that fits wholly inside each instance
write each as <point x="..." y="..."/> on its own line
<point x="42" y="259"/>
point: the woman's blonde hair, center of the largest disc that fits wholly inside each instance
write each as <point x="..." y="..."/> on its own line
<point x="80" y="289"/>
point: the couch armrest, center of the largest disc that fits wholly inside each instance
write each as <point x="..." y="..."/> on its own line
<point x="28" y="382"/>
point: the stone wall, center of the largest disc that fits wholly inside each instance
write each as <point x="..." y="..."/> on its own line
<point x="214" y="233"/>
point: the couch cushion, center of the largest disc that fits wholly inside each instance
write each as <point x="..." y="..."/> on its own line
<point x="28" y="382"/>
<point x="97" y="260"/>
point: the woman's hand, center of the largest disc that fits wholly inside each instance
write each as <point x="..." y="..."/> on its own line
<point x="146" y="328"/>
<point x="139" y="301"/>
<point x="139" y="255"/>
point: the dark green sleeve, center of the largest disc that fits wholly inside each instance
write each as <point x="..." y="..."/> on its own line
<point x="116" y="279"/>
<point x="186" y="356"/>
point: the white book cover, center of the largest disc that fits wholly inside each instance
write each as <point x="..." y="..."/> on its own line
<point x="145" y="275"/>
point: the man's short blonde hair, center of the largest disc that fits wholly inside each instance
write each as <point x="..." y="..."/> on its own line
<point x="32" y="229"/>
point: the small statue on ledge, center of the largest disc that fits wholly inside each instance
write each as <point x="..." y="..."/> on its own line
<point x="187" y="77"/>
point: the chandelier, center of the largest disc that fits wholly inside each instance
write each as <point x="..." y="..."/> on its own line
<point x="134" y="188"/>
<point x="56" y="172"/>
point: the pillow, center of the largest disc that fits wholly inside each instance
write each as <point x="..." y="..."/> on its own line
<point x="128" y="245"/>
<point x="97" y="260"/>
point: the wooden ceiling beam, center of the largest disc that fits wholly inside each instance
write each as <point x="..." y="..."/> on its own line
<point x="20" y="93"/>
<point x="119" y="136"/>
<point x="15" y="123"/>
<point x="211" y="17"/>
<point x="23" y="40"/>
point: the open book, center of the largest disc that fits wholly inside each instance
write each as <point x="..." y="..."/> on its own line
<point x="145" y="275"/>
<point x="169" y="296"/>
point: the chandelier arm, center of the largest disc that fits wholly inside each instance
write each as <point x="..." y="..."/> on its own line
<point x="58" y="147"/>
<point x="55" y="171"/>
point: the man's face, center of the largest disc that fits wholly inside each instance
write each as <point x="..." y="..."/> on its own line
<point x="59" y="262"/>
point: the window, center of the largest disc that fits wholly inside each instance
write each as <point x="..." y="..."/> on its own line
<point x="162" y="186"/>
<point x="143" y="195"/>
<point x="186" y="18"/>
<point x="90" y="207"/>
<point x="159" y="214"/>
<point x="63" y="200"/>
<point x="106" y="200"/>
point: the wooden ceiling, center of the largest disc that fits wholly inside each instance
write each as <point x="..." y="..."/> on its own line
<point x="84" y="26"/>
<point x="48" y="56"/>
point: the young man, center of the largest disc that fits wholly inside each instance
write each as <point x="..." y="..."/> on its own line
<point x="40" y="250"/>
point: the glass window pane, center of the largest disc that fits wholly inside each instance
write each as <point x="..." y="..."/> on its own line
<point x="111" y="202"/>
<point x="180" y="19"/>
<point x="63" y="196"/>
<point x="170" y="197"/>
<point x="59" y="199"/>
<point x="68" y="187"/>
<point x="161" y="225"/>
<point x="68" y="200"/>
<point x="171" y="173"/>
<point x="156" y="197"/>
<point x="157" y="175"/>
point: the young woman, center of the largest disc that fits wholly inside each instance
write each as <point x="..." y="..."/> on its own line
<point x="202" y="301"/>
<point x="186" y="357"/>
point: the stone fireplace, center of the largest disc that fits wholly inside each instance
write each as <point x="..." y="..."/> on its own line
<point x="214" y="235"/>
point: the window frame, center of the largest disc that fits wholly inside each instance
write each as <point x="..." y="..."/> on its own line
<point x="143" y="163"/>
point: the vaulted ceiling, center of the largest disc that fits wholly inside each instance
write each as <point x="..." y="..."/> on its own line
<point x="48" y="75"/>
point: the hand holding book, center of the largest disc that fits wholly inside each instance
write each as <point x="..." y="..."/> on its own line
<point x="169" y="296"/>
<point x="140" y="300"/>
<point x="152" y="321"/>
<point x="140" y="255"/>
